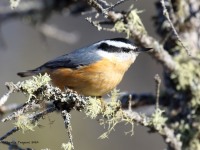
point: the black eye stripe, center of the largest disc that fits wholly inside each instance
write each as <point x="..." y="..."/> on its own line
<point x="111" y="48"/>
<point x="105" y="46"/>
<point x="125" y="49"/>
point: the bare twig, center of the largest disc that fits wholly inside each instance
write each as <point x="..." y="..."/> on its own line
<point x="14" y="115"/>
<point x="5" y="97"/>
<point x="99" y="6"/>
<point x="39" y="115"/>
<point x="158" y="82"/>
<point x="98" y="26"/>
<point x="129" y="102"/>
<point x="157" y="52"/>
<point x="103" y="7"/>
<point x="15" y="129"/>
<point x="118" y="3"/>
<point x="166" y="14"/>
<point x="9" y="108"/>
<point x="136" y="100"/>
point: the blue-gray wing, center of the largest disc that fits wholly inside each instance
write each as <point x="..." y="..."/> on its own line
<point x="81" y="57"/>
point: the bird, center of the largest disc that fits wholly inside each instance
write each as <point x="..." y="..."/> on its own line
<point x="93" y="70"/>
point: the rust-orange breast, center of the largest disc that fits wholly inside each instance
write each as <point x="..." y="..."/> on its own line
<point x="92" y="80"/>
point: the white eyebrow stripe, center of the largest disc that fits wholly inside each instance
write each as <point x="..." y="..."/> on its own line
<point x="119" y="44"/>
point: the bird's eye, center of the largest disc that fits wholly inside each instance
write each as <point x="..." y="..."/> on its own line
<point x="126" y="50"/>
<point x="103" y="46"/>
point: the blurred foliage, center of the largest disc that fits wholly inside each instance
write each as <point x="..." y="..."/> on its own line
<point x="184" y="83"/>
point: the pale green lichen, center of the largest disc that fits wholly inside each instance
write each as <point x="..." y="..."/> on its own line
<point x="113" y="119"/>
<point x="93" y="107"/>
<point x="111" y="112"/>
<point x="24" y="123"/>
<point x="36" y="82"/>
<point x="133" y="22"/>
<point x="186" y="81"/>
<point x="157" y="119"/>
<point x="121" y="27"/>
<point x="187" y="75"/>
<point x="182" y="14"/>
<point x="112" y="106"/>
<point x="67" y="146"/>
<point x="195" y="144"/>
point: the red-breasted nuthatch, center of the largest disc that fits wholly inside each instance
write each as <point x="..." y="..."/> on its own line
<point x="92" y="71"/>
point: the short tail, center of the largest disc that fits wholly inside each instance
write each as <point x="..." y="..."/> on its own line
<point x="28" y="73"/>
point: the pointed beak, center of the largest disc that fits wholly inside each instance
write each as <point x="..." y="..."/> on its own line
<point x="143" y="49"/>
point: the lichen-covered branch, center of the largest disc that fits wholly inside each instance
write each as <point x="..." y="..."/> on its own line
<point x="180" y="97"/>
<point x="40" y="91"/>
<point x="166" y="132"/>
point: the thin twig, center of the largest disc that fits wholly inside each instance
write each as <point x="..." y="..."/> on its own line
<point x="157" y="52"/>
<point x="118" y="3"/>
<point x="39" y="115"/>
<point x="166" y="14"/>
<point x="129" y="102"/>
<point x="5" y="97"/>
<point x="15" y="114"/>
<point x="102" y="6"/>
<point x="98" y="25"/>
<point x="67" y="121"/>
<point x="15" y="129"/>
<point x="158" y="83"/>
<point x="33" y="119"/>
<point x="98" y="6"/>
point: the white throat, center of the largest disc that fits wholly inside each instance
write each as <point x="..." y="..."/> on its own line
<point x="120" y="56"/>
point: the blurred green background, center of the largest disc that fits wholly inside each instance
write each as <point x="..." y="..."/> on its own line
<point x="25" y="48"/>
